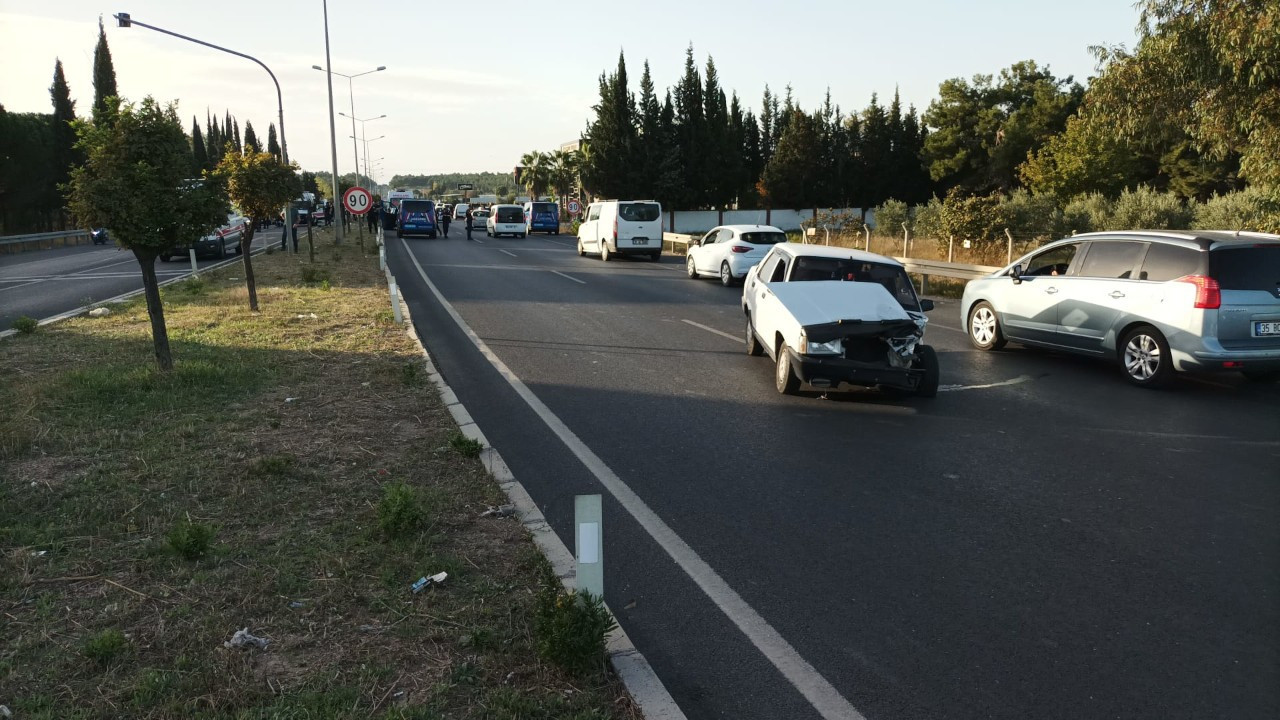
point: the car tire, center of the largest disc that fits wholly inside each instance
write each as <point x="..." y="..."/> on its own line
<point x="984" y="327"/>
<point x="927" y="360"/>
<point x="656" y="256"/>
<point x="1145" y="358"/>
<point x="691" y="268"/>
<point x="581" y="252"/>
<point x="726" y="275"/>
<point x="604" y="251"/>
<point x="1261" y="376"/>
<point x="784" y="377"/>
<point x="754" y="347"/>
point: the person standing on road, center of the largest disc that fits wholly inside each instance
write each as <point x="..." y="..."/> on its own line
<point x="468" y="223"/>
<point x="444" y="221"/>
<point x="375" y="215"/>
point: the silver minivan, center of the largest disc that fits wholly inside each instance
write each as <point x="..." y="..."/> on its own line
<point x="1156" y="302"/>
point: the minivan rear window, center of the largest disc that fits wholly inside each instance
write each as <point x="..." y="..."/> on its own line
<point x="510" y="215"/>
<point x="1252" y="267"/>
<point x="763" y="238"/>
<point x="544" y="207"/>
<point x="1166" y="262"/>
<point x="638" y="212"/>
<point x="416" y="205"/>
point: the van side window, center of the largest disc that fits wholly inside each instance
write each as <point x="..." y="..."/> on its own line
<point x="594" y="213"/>
<point x="1113" y="260"/>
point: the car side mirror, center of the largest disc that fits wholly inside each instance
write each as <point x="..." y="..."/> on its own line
<point x="1016" y="273"/>
<point x="926" y="305"/>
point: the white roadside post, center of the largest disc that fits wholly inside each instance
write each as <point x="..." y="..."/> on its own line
<point x="194" y="269"/>
<point x="867" y="229"/>
<point x="588" y="540"/>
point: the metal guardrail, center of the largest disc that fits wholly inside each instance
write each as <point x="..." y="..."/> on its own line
<point x="37" y="241"/>
<point x="675" y="239"/>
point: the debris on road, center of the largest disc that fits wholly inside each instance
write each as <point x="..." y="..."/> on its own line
<point x="242" y="638"/>
<point x="425" y="582"/>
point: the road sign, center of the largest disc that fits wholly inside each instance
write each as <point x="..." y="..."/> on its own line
<point x="357" y="200"/>
<point x="466" y="186"/>
<point x="574" y="207"/>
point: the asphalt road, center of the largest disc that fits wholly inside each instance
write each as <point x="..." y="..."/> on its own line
<point x="1040" y="541"/>
<point x="45" y="283"/>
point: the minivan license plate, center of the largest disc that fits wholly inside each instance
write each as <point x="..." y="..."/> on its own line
<point x="1262" y="329"/>
<point x="639" y="241"/>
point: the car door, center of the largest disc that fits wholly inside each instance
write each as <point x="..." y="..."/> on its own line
<point x="1028" y="306"/>
<point x="587" y="232"/>
<point x="701" y="253"/>
<point x="1102" y="289"/>
<point x="719" y="249"/>
<point x="767" y="313"/>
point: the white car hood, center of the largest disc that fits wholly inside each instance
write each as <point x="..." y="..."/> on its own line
<point x="813" y="302"/>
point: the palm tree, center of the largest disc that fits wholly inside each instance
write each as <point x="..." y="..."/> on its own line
<point x="563" y="172"/>
<point x="536" y="171"/>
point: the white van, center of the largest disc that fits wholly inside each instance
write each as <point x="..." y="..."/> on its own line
<point x="624" y="227"/>
<point x="460" y="211"/>
<point x="505" y="220"/>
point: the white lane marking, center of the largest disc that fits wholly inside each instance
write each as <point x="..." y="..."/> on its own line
<point x="507" y="252"/>
<point x="558" y="242"/>
<point x="570" y="277"/>
<point x="476" y="240"/>
<point x="32" y="282"/>
<point x="956" y="388"/>
<point x="721" y="333"/>
<point x="804" y="677"/>
<point x="101" y="276"/>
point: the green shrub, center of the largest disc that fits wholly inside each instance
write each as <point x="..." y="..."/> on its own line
<point x="312" y="275"/>
<point x="926" y="220"/>
<point x="1033" y="216"/>
<point x="979" y="218"/>
<point x="1086" y="213"/>
<point x="190" y="540"/>
<point x="465" y="446"/>
<point x="1253" y="208"/>
<point x="570" y="627"/>
<point x="890" y="216"/>
<point x="411" y="374"/>
<point x="105" y="646"/>
<point x="400" y="513"/>
<point x="26" y="325"/>
<point x="1146" y="209"/>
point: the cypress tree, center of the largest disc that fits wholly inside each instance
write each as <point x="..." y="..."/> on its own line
<point x="613" y="137"/>
<point x="235" y="136"/>
<point x="767" y="120"/>
<point x="251" y="144"/>
<point x="876" y="150"/>
<point x="199" y="155"/>
<point x="652" y="142"/>
<point x="896" y="168"/>
<point x="64" y="154"/>
<point x="228" y="143"/>
<point x="690" y="122"/>
<point x="752" y="163"/>
<point x="104" y="77"/>
<point x="716" y="145"/>
<point x="273" y="145"/>
<point x="852" y="180"/>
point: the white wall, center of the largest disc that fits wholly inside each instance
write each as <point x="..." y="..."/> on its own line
<point x="698" y="221"/>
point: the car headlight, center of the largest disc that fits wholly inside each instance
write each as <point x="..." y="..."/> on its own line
<point x="830" y="347"/>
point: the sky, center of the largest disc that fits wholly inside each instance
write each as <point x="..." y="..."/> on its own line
<point x="472" y="90"/>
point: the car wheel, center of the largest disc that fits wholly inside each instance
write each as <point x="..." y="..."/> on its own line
<point x="784" y="378"/>
<point x="656" y="256"/>
<point x="604" y="251"/>
<point x="726" y="275"/>
<point x="984" y="327"/>
<point x="1262" y="376"/>
<point x="1145" y="357"/>
<point x="927" y="360"/>
<point x="754" y="348"/>
<point x="581" y="251"/>
<point x="691" y="268"/>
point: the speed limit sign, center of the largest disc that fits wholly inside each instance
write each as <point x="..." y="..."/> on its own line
<point x="357" y="200"/>
<point x="574" y="208"/>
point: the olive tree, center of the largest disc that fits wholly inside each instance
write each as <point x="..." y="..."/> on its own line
<point x="136" y="181"/>
<point x="259" y="184"/>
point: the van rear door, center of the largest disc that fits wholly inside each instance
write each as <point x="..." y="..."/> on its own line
<point x="639" y="224"/>
<point x="1249" y="279"/>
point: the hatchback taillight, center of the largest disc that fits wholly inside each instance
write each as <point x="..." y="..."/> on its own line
<point x="1208" y="293"/>
<point x="741" y="248"/>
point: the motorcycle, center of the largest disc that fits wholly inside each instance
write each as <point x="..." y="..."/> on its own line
<point x="99" y="236"/>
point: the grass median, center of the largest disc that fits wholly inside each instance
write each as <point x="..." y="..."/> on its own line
<point x="292" y="476"/>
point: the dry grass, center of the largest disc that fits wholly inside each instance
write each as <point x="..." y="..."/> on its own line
<point x="278" y="431"/>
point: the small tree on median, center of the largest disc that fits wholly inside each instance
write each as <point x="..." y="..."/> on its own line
<point x="259" y="185"/>
<point x="136" y="180"/>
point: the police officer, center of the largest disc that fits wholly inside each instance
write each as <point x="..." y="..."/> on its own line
<point x="468" y="223"/>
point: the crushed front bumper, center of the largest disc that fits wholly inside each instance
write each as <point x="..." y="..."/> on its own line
<point x="823" y="371"/>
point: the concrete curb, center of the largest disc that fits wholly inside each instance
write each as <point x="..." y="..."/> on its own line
<point x="628" y="663"/>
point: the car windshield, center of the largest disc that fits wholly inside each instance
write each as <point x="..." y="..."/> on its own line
<point x="1254" y="267"/>
<point x="893" y="278"/>
<point x="510" y="215"/>
<point x="763" y="238"/>
<point x="638" y="212"/>
<point x="481" y="214"/>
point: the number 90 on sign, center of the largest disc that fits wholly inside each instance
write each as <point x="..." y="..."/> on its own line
<point x="357" y="200"/>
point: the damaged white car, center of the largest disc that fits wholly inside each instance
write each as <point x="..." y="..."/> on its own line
<point x="830" y="316"/>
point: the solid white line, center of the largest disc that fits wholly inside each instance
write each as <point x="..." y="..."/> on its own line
<point x="804" y="677"/>
<point x="580" y="282"/>
<point x="507" y="252"/>
<point x="956" y="388"/>
<point x="721" y="333"/>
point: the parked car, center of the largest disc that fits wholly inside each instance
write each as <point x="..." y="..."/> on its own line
<point x="622" y="227"/>
<point x="833" y="316"/>
<point x="99" y="236"/>
<point x="729" y="251"/>
<point x="417" y="217"/>
<point x="1154" y="302"/>
<point x="505" y="220"/>
<point x="542" y="217"/>
<point x="228" y="236"/>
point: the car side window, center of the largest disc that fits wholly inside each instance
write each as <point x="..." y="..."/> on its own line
<point x="1166" y="262"/>
<point x="780" y="270"/>
<point x="1113" y="260"/>
<point x="725" y="235"/>
<point x="594" y="213"/>
<point x="1051" y="262"/>
<point x="709" y="238"/>
<point x="767" y="267"/>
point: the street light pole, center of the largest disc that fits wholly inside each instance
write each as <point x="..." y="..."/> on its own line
<point x="362" y="122"/>
<point x="351" y="94"/>
<point x="124" y="20"/>
<point x="333" y="128"/>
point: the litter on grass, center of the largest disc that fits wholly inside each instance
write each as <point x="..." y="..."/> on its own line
<point x="425" y="582"/>
<point x="242" y="638"/>
<point x="99" y="312"/>
<point x="499" y="511"/>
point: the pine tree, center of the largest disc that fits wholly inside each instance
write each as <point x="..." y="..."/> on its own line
<point x="235" y="136"/>
<point x="670" y="180"/>
<point x="916" y="183"/>
<point x="251" y="144"/>
<point x="715" y="145"/>
<point x="768" y="117"/>
<point x="690" y="123"/>
<point x="876" y="148"/>
<point x="228" y="143"/>
<point x="273" y="145"/>
<point x="753" y="163"/>
<point x="895" y="177"/>
<point x="652" y="141"/>
<point x="64" y="155"/>
<point x="213" y="142"/>
<point x="199" y="155"/>
<point x="790" y="175"/>
<point x="104" y="77"/>
<point x="734" y="163"/>
<point x="853" y="181"/>
<point x="613" y="137"/>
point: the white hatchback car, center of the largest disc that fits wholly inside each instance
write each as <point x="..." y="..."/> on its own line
<point x="505" y="220"/>
<point x="729" y="251"/>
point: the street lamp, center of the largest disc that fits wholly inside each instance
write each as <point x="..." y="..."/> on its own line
<point x="362" y="122"/>
<point x="125" y="20"/>
<point x="333" y="128"/>
<point x="351" y="94"/>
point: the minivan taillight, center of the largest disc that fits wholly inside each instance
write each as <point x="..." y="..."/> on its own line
<point x="1208" y="293"/>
